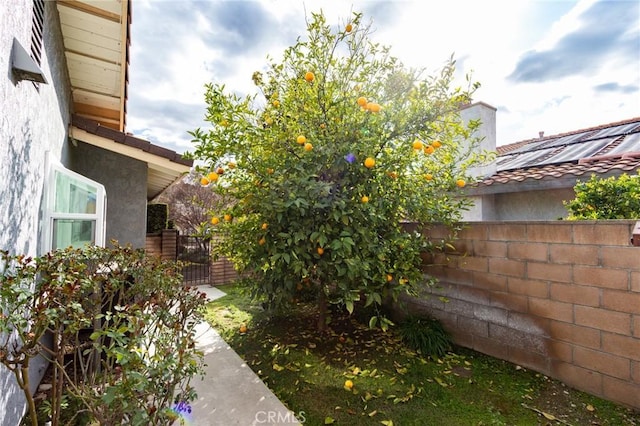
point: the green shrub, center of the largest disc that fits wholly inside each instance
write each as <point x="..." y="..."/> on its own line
<point x="122" y="326"/>
<point x="425" y="335"/>
<point x="608" y="198"/>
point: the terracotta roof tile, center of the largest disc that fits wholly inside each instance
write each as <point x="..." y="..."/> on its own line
<point x="92" y="126"/>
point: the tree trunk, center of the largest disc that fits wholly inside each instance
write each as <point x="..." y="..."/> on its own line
<point x="322" y="310"/>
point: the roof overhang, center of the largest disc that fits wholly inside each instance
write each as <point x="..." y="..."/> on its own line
<point x="164" y="165"/>
<point x="96" y="35"/>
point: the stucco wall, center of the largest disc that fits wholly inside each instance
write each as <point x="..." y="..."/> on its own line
<point x="32" y="121"/>
<point x="561" y="298"/>
<point x="532" y="205"/>
<point x="125" y="181"/>
<point x="539" y="205"/>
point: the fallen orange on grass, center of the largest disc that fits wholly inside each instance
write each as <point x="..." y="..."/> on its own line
<point x="348" y="384"/>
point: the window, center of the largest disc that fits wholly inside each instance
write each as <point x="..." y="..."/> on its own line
<point x="75" y="209"/>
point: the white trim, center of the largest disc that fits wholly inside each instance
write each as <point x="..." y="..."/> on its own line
<point x="49" y="215"/>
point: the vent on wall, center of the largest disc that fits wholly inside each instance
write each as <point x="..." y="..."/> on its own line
<point x="25" y="66"/>
<point x="37" y="31"/>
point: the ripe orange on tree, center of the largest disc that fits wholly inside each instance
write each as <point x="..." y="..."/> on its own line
<point x="227" y="218"/>
<point x="215" y="220"/>
<point x="460" y="183"/>
<point x="309" y="76"/>
<point x="369" y="162"/>
<point x="308" y="147"/>
<point x="348" y="28"/>
<point x="436" y="144"/>
<point x="204" y="181"/>
<point x="428" y="176"/>
<point x="320" y="251"/>
<point x="429" y="149"/>
<point x="373" y="107"/>
<point x="364" y="199"/>
<point x="213" y="176"/>
<point x="417" y="144"/>
<point x="301" y="139"/>
<point x="362" y="101"/>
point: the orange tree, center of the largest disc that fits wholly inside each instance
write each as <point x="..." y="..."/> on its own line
<point x="340" y="147"/>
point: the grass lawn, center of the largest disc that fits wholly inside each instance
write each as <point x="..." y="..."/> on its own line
<point x="392" y="385"/>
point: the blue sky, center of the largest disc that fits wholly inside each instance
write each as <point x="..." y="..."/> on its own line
<point x="546" y="65"/>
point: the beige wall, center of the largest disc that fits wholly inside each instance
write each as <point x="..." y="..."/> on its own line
<point x="561" y="298"/>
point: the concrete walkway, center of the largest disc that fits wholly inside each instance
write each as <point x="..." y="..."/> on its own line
<point x="231" y="393"/>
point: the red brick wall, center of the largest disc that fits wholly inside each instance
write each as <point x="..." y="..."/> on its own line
<point x="561" y="298"/>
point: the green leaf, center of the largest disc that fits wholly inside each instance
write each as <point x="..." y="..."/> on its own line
<point x="349" y="306"/>
<point x="329" y="420"/>
<point x="373" y="321"/>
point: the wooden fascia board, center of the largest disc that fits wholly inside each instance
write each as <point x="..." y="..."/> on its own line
<point x="153" y="161"/>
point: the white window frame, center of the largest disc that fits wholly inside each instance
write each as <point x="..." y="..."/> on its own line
<point x="50" y="216"/>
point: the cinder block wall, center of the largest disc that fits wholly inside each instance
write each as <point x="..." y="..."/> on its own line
<point x="561" y="298"/>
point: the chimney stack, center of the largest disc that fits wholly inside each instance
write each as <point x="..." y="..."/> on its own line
<point x="541" y="134"/>
<point x="487" y="131"/>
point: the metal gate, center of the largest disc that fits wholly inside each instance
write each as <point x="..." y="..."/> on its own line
<point x="195" y="253"/>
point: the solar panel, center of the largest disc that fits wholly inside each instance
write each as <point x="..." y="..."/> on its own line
<point x="630" y="143"/>
<point x="577" y="151"/>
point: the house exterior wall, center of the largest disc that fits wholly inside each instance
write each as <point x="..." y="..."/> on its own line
<point x="542" y="205"/>
<point x="125" y="181"/>
<point x="33" y="121"/>
<point x="560" y="297"/>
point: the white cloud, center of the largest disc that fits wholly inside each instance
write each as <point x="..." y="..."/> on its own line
<point x="180" y="46"/>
